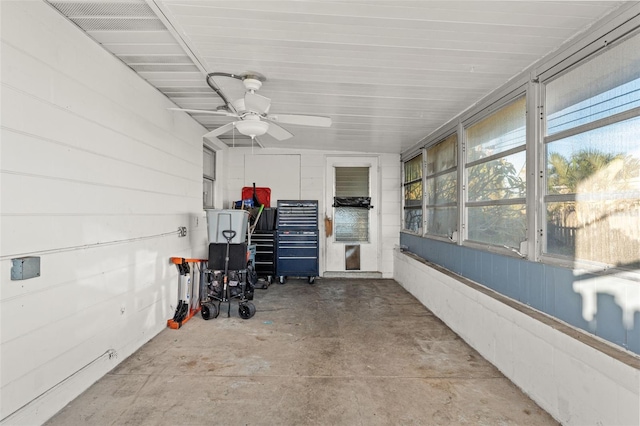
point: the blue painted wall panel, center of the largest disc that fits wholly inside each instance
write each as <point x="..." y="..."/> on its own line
<point x="550" y="289"/>
<point x="513" y="285"/>
<point x="468" y="264"/>
<point x="499" y="272"/>
<point x="455" y="259"/>
<point x="533" y="291"/>
<point x="486" y="271"/>
<point x="633" y="335"/>
<point x="609" y="324"/>
<point x="569" y="303"/>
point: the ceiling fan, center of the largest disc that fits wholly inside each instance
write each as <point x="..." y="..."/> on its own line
<point x="252" y="111"/>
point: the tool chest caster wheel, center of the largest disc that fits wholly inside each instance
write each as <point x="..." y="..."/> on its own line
<point x="208" y="311"/>
<point x="281" y="279"/>
<point x="246" y="310"/>
<point x="312" y="280"/>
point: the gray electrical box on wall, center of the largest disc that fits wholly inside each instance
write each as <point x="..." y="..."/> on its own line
<point x="23" y="268"/>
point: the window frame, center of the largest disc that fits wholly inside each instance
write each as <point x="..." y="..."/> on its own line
<point x="365" y="212"/>
<point x="406" y="183"/>
<point x="531" y="84"/>
<point x="494" y="108"/>
<point x="208" y="178"/>
<point x="455" y="169"/>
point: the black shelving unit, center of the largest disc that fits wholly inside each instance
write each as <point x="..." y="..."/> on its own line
<point x="265" y="254"/>
<point x="297" y="240"/>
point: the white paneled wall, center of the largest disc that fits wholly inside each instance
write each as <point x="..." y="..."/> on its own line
<point x="312" y="187"/>
<point x="96" y="177"/>
<point x="281" y="173"/>
<point x="572" y="381"/>
<point x="390" y="210"/>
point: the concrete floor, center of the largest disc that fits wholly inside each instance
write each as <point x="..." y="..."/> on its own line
<point x="339" y="352"/>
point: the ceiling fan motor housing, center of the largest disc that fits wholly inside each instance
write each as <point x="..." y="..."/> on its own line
<point x="252" y="84"/>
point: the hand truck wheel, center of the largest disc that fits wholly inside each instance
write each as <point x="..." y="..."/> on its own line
<point x="208" y="311"/>
<point x="246" y="310"/>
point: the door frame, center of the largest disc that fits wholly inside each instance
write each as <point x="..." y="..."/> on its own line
<point x="375" y="188"/>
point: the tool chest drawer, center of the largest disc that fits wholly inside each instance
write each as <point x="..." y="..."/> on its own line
<point x="306" y="267"/>
<point x="297" y="244"/>
<point x="297" y="254"/>
<point x="297" y="214"/>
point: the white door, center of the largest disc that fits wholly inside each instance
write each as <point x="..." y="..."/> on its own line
<point x="353" y="245"/>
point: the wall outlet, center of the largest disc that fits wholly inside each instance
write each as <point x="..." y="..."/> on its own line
<point x="196" y="220"/>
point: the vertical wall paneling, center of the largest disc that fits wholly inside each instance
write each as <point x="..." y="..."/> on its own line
<point x="279" y="172"/>
<point x="311" y="184"/>
<point x="605" y="305"/>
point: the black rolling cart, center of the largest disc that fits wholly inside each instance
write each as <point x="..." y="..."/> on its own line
<point x="264" y="239"/>
<point x="265" y="254"/>
<point x="231" y="276"/>
<point x="230" y="273"/>
<point x="297" y="240"/>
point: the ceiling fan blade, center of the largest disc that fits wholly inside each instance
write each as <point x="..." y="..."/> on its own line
<point x="278" y="132"/>
<point x="220" y="130"/>
<point x="303" y="120"/>
<point x="205" y="111"/>
<point x="257" y="103"/>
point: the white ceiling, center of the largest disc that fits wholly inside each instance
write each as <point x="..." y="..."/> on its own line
<point x="388" y="73"/>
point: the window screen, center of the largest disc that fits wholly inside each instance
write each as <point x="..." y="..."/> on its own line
<point x="496" y="177"/>
<point x="442" y="187"/>
<point x="351" y="223"/>
<point x="592" y="191"/>
<point x="413" y="194"/>
<point x="604" y="86"/>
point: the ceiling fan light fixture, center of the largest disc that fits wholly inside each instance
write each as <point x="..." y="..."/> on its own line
<point x="252" y="128"/>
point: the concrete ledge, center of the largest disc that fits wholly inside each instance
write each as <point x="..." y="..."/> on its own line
<point x="576" y="377"/>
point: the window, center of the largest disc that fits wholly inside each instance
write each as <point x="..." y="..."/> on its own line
<point x="442" y="187"/>
<point x="592" y="159"/>
<point x="495" y="172"/>
<point x="413" y="194"/>
<point x="351" y="223"/>
<point x="208" y="177"/>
